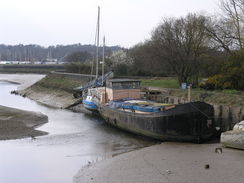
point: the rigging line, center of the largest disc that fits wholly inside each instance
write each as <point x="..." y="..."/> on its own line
<point x="200" y="110"/>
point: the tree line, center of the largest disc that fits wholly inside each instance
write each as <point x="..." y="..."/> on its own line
<point x="192" y="47"/>
<point x="34" y="52"/>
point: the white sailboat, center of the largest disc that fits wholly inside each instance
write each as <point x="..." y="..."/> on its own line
<point x="89" y="99"/>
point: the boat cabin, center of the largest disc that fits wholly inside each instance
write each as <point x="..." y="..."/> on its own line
<point x="123" y="88"/>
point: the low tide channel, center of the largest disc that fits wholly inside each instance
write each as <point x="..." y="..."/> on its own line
<point x="74" y="140"/>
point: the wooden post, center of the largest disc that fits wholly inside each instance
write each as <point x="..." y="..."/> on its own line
<point x="189" y="93"/>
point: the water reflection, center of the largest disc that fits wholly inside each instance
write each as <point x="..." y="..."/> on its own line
<point x="74" y="140"/>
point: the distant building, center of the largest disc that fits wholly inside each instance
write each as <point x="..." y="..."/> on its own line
<point x="3" y="62"/>
<point x="14" y="62"/>
<point x="50" y="61"/>
<point x="25" y="62"/>
<point x="37" y="62"/>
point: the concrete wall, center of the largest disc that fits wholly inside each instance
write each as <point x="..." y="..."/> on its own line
<point x="225" y="116"/>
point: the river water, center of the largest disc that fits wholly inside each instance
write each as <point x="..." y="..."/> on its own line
<point x="75" y="140"/>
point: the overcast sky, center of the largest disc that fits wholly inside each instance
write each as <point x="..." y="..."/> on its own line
<point x="124" y="22"/>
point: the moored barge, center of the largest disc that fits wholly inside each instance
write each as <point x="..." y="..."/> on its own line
<point x="123" y="108"/>
<point x="183" y="122"/>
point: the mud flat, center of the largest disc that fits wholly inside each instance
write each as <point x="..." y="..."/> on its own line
<point x="15" y="123"/>
<point x="169" y="162"/>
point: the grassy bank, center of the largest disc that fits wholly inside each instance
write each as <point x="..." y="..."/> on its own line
<point x="166" y="82"/>
<point x="224" y="97"/>
<point x="59" y="82"/>
<point x="214" y="97"/>
<point x="54" y="90"/>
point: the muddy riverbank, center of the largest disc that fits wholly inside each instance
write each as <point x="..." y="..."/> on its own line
<point x="55" y="90"/>
<point x="15" y="123"/>
<point x="169" y="162"/>
<point x="52" y="90"/>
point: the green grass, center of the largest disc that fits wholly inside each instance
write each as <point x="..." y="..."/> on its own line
<point x="59" y="82"/>
<point x="225" y="97"/>
<point x="229" y="98"/>
<point x="229" y="91"/>
<point x="166" y="82"/>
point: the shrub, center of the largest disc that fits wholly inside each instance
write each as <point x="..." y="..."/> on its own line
<point x="232" y="78"/>
<point x="214" y="82"/>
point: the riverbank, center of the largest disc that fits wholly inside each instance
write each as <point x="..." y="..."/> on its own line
<point x="16" y="124"/>
<point x="55" y="90"/>
<point x="169" y="162"/>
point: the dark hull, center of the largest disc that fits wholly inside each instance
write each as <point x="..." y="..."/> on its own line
<point x="186" y="122"/>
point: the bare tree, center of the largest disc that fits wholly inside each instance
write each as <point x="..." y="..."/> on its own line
<point x="233" y="14"/>
<point x="181" y="42"/>
<point x="227" y="31"/>
<point x="147" y="61"/>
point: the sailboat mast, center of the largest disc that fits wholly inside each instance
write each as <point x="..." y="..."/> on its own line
<point x="94" y="57"/>
<point x="98" y="25"/>
<point x="103" y="57"/>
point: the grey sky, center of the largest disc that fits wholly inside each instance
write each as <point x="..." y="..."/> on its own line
<point x="124" y="22"/>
